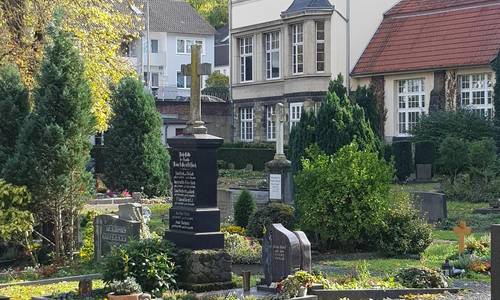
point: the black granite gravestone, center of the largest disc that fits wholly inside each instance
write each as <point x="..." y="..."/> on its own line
<point x="280" y="254"/>
<point x="495" y="262"/>
<point x="194" y="217"/>
<point x="111" y="231"/>
<point x="432" y="206"/>
<point x="305" y="251"/>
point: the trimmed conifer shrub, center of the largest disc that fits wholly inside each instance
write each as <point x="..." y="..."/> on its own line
<point x="135" y="158"/>
<point x="244" y="208"/>
<point x="403" y="159"/>
<point x="302" y="135"/>
<point x="425" y="152"/>
<point x="14" y="107"/>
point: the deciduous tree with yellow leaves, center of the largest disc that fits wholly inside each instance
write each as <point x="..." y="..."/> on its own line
<point x="99" y="26"/>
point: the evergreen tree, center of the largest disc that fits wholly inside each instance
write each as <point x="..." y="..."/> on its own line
<point x="14" y="107"/>
<point x="366" y="99"/>
<point x="243" y="208"/>
<point x="496" y="99"/>
<point x="337" y="86"/>
<point x="340" y="122"/>
<point x="53" y="146"/>
<point x="303" y="134"/>
<point x="135" y="157"/>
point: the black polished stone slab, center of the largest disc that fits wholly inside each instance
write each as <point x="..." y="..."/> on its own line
<point x="495" y="261"/>
<point x="194" y="217"/>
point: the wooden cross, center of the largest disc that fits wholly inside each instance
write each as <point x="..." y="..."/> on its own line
<point x="461" y="231"/>
<point x="195" y="69"/>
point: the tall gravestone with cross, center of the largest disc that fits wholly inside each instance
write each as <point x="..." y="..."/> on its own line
<point x="279" y="170"/>
<point x="194" y="221"/>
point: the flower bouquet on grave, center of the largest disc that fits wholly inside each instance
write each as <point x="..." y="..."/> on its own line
<point x="296" y="285"/>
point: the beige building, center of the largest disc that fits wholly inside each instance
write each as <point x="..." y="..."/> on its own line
<point x="430" y="55"/>
<point x="287" y="51"/>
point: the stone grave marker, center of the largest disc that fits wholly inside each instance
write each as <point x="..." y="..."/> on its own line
<point x="305" y="251"/>
<point x="495" y="262"/>
<point x="111" y="231"/>
<point x="432" y="206"/>
<point x="423" y="172"/>
<point x="130" y="212"/>
<point x="280" y="253"/>
<point x="461" y="231"/>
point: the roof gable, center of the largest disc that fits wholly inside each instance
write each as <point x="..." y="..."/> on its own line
<point x="433" y="34"/>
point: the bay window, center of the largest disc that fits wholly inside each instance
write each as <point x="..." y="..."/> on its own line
<point x="297" y="49"/>
<point x="320" y="46"/>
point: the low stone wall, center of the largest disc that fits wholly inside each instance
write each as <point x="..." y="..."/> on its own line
<point x="226" y="198"/>
<point x="376" y="294"/>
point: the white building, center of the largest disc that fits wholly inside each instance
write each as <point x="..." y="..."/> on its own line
<point x="173" y="27"/>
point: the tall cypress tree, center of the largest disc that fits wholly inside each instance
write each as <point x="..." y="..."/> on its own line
<point x="54" y="147"/>
<point x="14" y="107"/>
<point x="135" y="157"/>
<point x="302" y="135"/>
<point x="496" y="99"/>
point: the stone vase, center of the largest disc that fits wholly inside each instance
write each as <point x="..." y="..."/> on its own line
<point x="302" y="292"/>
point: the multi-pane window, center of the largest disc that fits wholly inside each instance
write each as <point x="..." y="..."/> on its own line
<point x="183" y="82"/>
<point x="246" y="124"/>
<point x="320" y="46"/>
<point x="155" y="77"/>
<point x="270" y="123"/>
<point x="154" y="46"/>
<point x="476" y="93"/>
<point x="295" y="113"/>
<point x="184" y="45"/>
<point x="297" y="49"/>
<point x="246" y="59"/>
<point x="272" y="41"/>
<point x="411" y="103"/>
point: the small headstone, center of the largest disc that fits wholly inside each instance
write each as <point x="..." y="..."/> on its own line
<point x="231" y="166"/>
<point x="249" y="167"/>
<point x="137" y="197"/>
<point x="461" y="231"/>
<point x="432" y="206"/>
<point x="111" y="231"/>
<point x="130" y="212"/>
<point x="280" y="253"/>
<point x="423" y="172"/>
<point x="85" y="288"/>
<point x="305" y="251"/>
<point x="495" y="262"/>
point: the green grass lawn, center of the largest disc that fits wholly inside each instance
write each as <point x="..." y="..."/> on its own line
<point x="26" y="292"/>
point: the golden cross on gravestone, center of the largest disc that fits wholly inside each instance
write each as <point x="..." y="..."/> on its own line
<point x="196" y="70"/>
<point x="461" y="231"/>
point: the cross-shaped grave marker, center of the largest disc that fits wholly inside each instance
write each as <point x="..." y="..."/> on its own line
<point x="461" y="231"/>
<point x="196" y="70"/>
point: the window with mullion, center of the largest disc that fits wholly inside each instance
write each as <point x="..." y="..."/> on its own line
<point x="476" y="93"/>
<point x="246" y="124"/>
<point x="295" y="113"/>
<point x="270" y="123"/>
<point x="272" y="41"/>
<point x="246" y="59"/>
<point x="297" y="49"/>
<point x="320" y="46"/>
<point x="411" y="104"/>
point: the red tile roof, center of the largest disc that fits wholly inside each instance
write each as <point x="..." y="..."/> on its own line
<point x="433" y="34"/>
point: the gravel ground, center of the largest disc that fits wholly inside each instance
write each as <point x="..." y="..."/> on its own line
<point x="475" y="291"/>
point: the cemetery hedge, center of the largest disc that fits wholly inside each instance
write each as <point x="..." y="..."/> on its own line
<point x="403" y="159"/>
<point x="242" y="156"/>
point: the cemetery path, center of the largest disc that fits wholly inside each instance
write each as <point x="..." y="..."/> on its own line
<point x="476" y="291"/>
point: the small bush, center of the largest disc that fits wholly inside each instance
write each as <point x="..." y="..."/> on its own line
<point x="245" y="206"/>
<point x="233" y="229"/>
<point x="405" y="232"/>
<point x="124" y="287"/>
<point x="403" y="159"/>
<point x="421" y="278"/>
<point x="453" y="157"/>
<point x="273" y="213"/>
<point x="178" y="295"/>
<point x="148" y="261"/>
<point x="87" y="250"/>
<point x="242" y="250"/>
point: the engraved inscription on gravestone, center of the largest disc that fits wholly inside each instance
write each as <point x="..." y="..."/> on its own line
<point x="111" y="231"/>
<point x="275" y="186"/>
<point x="184" y="179"/>
<point x="182" y="220"/>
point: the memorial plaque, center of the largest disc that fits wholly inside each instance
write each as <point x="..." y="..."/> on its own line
<point x="275" y="187"/>
<point x="280" y="253"/>
<point x="111" y="231"/>
<point x="184" y="179"/>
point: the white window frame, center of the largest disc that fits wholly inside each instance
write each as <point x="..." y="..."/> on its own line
<point x="410" y="101"/>
<point x="270" y="123"/>
<point x="246" y="124"/>
<point x="185" y="86"/>
<point x="246" y="50"/>
<point x="319" y="42"/>
<point x="296" y="110"/>
<point x="187" y="42"/>
<point x="476" y="87"/>
<point x="297" y="48"/>
<point x="272" y="46"/>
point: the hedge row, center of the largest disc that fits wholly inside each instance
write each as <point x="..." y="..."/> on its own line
<point x="407" y="154"/>
<point x="241" y="157"/>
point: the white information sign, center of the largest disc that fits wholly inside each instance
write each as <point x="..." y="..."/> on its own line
<point x="275" y="186"/>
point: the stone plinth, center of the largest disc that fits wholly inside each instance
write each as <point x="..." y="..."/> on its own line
<point x="205" y="270"/>
<point x="495" y="262"/>
<point x="279" y="176"/>
<point x="194" y="217"/>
